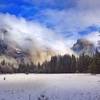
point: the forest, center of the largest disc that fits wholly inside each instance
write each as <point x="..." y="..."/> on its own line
<point x="57" y="64"/>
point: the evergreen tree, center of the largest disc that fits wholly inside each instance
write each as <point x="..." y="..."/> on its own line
<point x="95" y="65"/>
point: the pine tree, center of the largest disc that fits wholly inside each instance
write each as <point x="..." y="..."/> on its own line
<point x="95" y="65"/>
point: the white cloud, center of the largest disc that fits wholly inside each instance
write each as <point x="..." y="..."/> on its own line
<point x="69" y="22"/>
<point x="88" y="4"/>
<point x="94" y="37"/>
<point x="66" y="24"/>
<point x="32" y="36"/>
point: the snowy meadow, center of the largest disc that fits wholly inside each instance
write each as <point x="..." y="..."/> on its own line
<point x="50" y="87"/>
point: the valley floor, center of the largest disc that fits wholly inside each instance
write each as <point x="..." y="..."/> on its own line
<point x="50" y="87"/>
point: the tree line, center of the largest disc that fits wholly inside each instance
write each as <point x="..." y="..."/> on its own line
<point x="57" y="64"/>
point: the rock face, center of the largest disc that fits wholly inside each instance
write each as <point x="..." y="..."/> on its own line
<point x="12" y="50"/>
<point x="98" y="46"/>
<point x="84" y="46"/>
<point x="3" y="47"/>
<point x="9" y="50"/>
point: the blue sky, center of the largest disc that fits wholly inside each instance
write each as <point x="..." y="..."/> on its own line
<point x="39" y="9"/>
<point x="29" y="8"/>
<point x="70" y="19"/>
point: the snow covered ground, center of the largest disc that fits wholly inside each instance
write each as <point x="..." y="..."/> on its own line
<point x="50" y="87"/>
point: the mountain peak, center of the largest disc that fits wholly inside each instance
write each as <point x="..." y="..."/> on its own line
<point x="84" y="46"/>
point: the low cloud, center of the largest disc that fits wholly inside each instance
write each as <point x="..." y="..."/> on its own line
<point x="68" y="22"/>
<point x="94" y="37"/>
<point x="30" y="36"/>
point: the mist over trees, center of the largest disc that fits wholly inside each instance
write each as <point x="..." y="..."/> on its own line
<point x="58" y="64"/>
